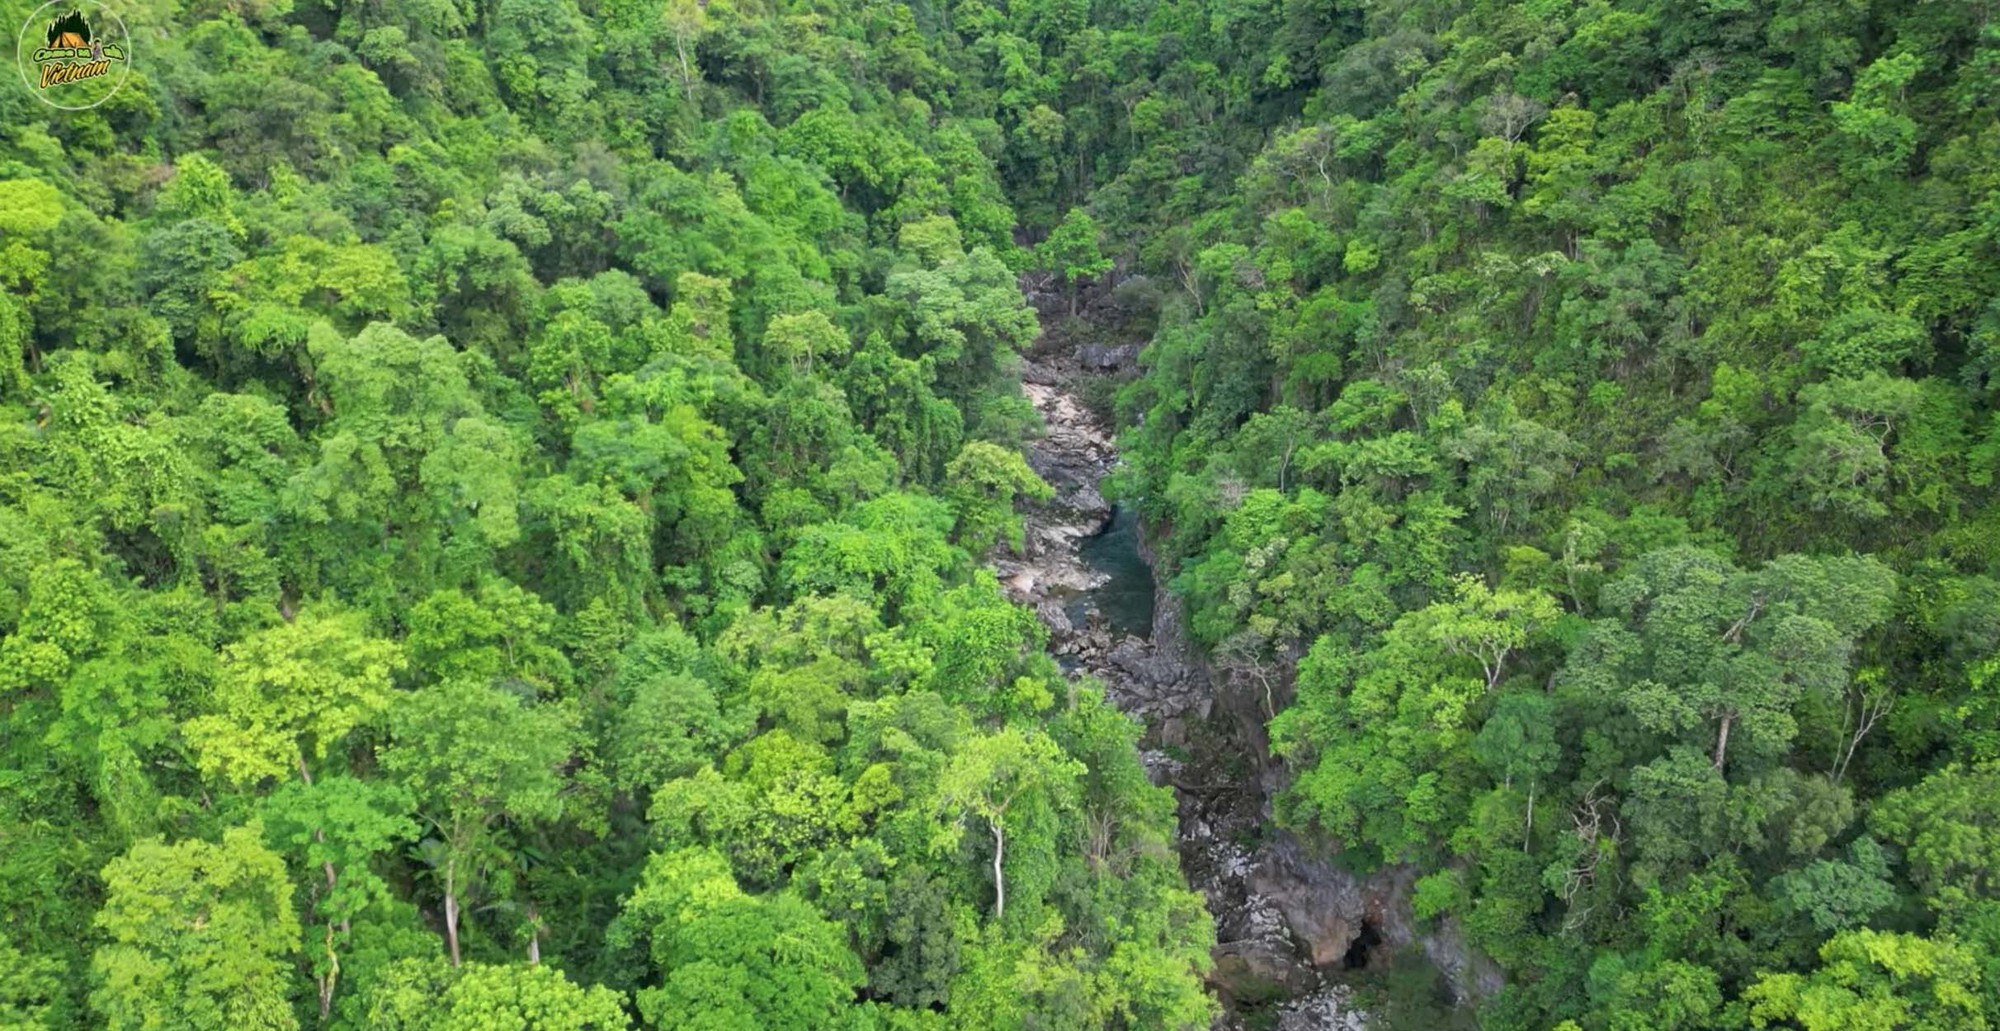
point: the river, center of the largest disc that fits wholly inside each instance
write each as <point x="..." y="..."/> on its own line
<point x="1124" y="600"/>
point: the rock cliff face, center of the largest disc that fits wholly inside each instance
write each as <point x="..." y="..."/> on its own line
<point x="1288" y="924"/>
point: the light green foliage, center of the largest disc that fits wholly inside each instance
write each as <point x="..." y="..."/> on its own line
<point x="472" y="755"/>
<point x="29" y="207"/>
<point x="965" y="315"/>
<point x="799" y="341"/>
<point x="492" y="446"/>
<point x="978" y="643"/>
<point x="894" y="547"/>
<point x="274" y="299"/>
<point x="1487" y="626"/>
<point x="200" y="189"/>
<point x="1855" y="432"/>
<point x="1953" y="843"/>
<point x="1874" y="981"/>
<point x="669" y="727"/>
<point x="27" y="986"/>
<point x="1664" y="996"/>
<point x="1646" y="314"/>
<point x="488" y="449"/>
<point x="337" y="827"/>
<point x="500" y="631"/>
<point x="488" y="997"/>
<point x="427" y="995"/>
<point x="805" y="662"/>
<point x="1706" y="647"/>
<point x="1394" y="729"/>
<point x="991" y="777"/>
<point x="291" y="695"/>
<point x="196" y="936"/>
<point x="726" y="960"/>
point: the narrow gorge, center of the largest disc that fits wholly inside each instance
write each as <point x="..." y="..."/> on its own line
<point x="1299" y="940"/>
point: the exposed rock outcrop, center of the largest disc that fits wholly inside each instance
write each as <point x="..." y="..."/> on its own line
<point x="1106" y="358"/>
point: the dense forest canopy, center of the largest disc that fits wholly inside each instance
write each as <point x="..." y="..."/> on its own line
<point x="492" y="498"/>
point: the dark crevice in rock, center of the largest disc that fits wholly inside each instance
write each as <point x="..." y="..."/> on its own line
<point x="1363" y="949"/>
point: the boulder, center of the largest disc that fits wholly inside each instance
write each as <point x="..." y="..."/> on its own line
<point x="1106" y="358"/>
<point x="1258" y="972"/>
<point x="1053" y="614"/>
<point x="1328" y="908"/>
<point x="1039" y="374"/>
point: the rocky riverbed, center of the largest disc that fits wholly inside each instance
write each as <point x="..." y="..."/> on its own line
<point x="1293" y="931"/>
<point x="1259" y="891"/>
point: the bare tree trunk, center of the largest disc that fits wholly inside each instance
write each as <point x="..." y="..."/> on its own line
<point x="999" y="883"/>
<point x="328" y="980"/>
<point x="1528" y="835"/>
<point x="451" y="907"/>
<point x="534" y="936"/>
<point x="332" y="976"/>
<point x="1867" y="714"/>
<point x="1722" y="740"/>
<point x="687" y="66"/>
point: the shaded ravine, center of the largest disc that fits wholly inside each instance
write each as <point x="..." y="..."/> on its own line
<point x="1295" y="934"/>
<point x="1085" y="572"/>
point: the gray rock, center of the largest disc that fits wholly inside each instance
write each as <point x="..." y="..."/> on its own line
<point x="1258" y="972"/>
<point x="1331" y="1008"/>
<point x="1326" y="907"/>
<point x="1087" y="500"/>
<point x="1103" y="358"/>
<point x="1055" y="616"/>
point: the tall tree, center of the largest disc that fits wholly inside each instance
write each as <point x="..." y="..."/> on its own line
<point x="995" y="775"/>
<point x="475" y="758"/>
<point x="1073" y="252"/>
